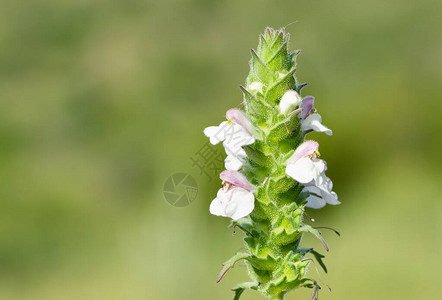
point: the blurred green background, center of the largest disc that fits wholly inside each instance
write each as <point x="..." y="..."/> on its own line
<point x="102" y="100"/>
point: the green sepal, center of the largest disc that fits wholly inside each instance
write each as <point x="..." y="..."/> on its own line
<point x="286" y="231"/>
<point x="264" y="263"/>
<point x="280" y="60"/>
<point x="283" y="129"/>
<point x="280" y="185"/>
<point x="275" y="92"/>
<point x="264" y="50"/>
<point x="258" y="157"/>
<point x="251" y="228"/>
<point x="288" y="276"/>
<point x="278" y="40"/>
<point x="262" y="257"/>
<point x="258" y="275"/>
<point x="269" y="34"/>
<point x="261" y="70"/>
<point x="255" y="107"/>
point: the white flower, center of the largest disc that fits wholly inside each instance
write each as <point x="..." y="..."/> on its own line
<point x="324" y="190"/>
<point x="234" y="162"/>
<point x="235" y="199"/>
<point x="234" y="133"/>
<point x="303" y="165"/>
<point x="307" y="169"/>
<point x="311" y="121"/>
<point x="289" y="102"/>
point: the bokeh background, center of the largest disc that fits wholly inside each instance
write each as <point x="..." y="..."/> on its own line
<point x="102" y="100"/>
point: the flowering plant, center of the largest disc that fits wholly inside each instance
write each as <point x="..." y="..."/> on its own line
<point x="272" y="173"/>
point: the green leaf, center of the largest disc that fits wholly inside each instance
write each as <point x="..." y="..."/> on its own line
<point x="316" y="233"/>
<point x="230" y="263"/>
<point x="318" y="256"/>
<point x="240" y="288"/>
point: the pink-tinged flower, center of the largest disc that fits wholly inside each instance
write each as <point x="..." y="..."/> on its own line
<point x="235" y="199"/>
<point x="303" y="165"/>
<point x="321" y="193"/>
<point x="237" y="179"/>
<point x="307" y="105"/>
<point x="239" y="117"/>
<point x="289" y="102"/>
<point x="234" y="133"/>
<point x="311" y="121"/>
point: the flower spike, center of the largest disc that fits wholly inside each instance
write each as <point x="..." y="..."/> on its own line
<point x="272" y="173"/>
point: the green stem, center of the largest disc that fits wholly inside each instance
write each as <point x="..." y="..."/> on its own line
<point x="277" y="297"/>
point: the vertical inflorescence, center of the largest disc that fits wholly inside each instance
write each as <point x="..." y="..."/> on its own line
<point x="272" y="173"/>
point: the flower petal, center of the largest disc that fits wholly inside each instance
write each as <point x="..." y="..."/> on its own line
<point x="331" y="198"/>
<point x="241" y="203"/>
<point x="216" y="208"/>
<point x="303" y="170"/>
<point x="233" y="162"/>
<point x="237" y="179"/>
<point x="289" y="101"/>
<point x="305" y="149"/>
<point x="320" y="165"/>
<point x="325" y="185"/>
<point x="236" y="137"/>
<point x="313" y="122"/>
<point x="315" y="202"/>
<point x="234" y="203"/>
<point x="216" y="133"/>
<point x="239" y="117"/>
<point x="307" y="106"/>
